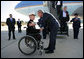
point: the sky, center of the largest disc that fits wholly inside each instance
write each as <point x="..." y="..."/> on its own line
<point x="7" y="7"/>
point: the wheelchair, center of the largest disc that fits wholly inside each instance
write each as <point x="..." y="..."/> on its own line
<point x="29" y="43"/>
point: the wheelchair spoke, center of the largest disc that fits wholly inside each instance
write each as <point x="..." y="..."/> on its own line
<point x="27" y="45"/>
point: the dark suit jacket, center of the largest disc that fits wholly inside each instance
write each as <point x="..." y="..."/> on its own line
<point x="48" y="22"/>
<point x="61" y="16"/>
<point x="19" y="23"/>
<point x="76" y="24"/>
<point x="31" y="29"/>
<point x="11" y="24"/>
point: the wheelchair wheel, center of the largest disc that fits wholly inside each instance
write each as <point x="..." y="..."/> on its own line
<point x="27" y="45"/>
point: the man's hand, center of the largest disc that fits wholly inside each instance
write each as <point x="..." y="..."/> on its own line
<point x="75" y="19"/>
<point x="41" y="29"/>
<point x="32" y="24"/>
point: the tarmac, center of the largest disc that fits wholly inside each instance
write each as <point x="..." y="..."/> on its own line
<point x="66" y="46"/>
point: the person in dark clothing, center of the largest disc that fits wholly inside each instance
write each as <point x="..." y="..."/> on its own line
<point x="11" y="26"/>
<point x="19" y="25"/>
<point x="31" y="30"/>
<point x="64" y="18"/>
<point x="76" y="25"/>
<point x="45" y="30"/>
<point x="58" y="7"/>
<point x="47" y="21"/>
<point x="45" y="33"/>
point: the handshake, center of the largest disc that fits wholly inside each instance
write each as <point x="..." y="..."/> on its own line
<point x="41" y="29"/>
<point x="33" y="24"/>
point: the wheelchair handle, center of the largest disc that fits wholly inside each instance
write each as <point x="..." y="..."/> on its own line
<point x="25" y="27"/>
<point x="33" y="34"/>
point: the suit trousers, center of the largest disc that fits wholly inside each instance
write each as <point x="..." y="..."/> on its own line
<point x="19" y="28"/>
<point x="12" y="33"/>
<point x="52" y="42"/>
<point x="76" y="32"/>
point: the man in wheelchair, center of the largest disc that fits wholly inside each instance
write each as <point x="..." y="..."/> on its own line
<point x="31" y="30"/>
<point x="32" y="39"/>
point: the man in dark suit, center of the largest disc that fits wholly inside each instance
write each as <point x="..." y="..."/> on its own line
<point x="76" y="25"/>
<point x="58" y="6"/>
<point x="11" y="26"/>
<point x="45" y="30"/>
<point x="49" y="22"/>
<point x="64" y="18"/>
<point x="19" y="26"/>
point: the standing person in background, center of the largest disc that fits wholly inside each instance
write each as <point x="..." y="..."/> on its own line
<point x="64" y="18"/>
<point x="11" y="26"/>
<point x="19" y="26"/>
<point x="76" y="25"/>
<point x="58" y="7"/>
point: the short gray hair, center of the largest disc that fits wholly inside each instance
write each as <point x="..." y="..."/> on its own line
<point x="40" y="11"/>
<point x="65" y="6"/>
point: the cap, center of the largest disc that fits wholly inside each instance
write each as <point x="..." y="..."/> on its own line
<point x="32" y="13"/>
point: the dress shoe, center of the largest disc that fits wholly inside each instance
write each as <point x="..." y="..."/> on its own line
<point x="46" y="48"/>
<point x="14" y="38"/>
<point x="8" y="39"/>
<point x="75" y="38"/>
<point x="49" y="51"/>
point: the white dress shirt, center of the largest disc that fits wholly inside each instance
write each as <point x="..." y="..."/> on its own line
<point x="64" y="14"/>
<point x="58" y="3"/>
<point x="11" y="19"/>
<point x="19" y="21"/>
